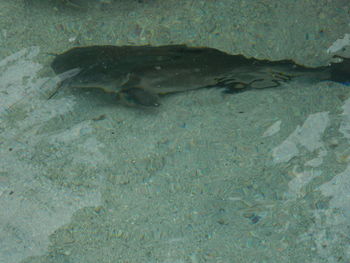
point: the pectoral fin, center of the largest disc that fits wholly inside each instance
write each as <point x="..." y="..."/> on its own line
<point x="138" y="96"/>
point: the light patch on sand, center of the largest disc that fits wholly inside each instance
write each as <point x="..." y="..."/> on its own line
<point x="345" y="125"/>
<point x="273" y="129"/>
<point x="301" y="179"/>
<point x="339" y="44"/>
<point x="33" y="207"/>
<point x="329" y="232"/>
<point x="308" y="135"/>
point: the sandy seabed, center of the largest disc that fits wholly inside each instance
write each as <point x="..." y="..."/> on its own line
<point x="259" y="176"/>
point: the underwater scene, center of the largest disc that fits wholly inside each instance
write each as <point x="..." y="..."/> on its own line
<point x="174" y="131"/>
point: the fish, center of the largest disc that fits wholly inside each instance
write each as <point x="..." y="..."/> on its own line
<point x="141" y="75"/>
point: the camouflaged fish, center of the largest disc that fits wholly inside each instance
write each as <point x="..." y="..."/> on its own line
<point x="139" y="75"/>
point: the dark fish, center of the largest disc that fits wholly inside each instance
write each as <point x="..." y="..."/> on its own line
<point x="140" y="74"/>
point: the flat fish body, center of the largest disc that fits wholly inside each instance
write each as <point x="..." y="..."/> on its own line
<point x="139" y="74"/>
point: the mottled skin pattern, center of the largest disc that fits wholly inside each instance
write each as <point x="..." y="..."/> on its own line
<point x="140" y="74"/>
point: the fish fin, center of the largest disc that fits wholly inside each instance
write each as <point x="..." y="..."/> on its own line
<point x="138" y="96"/>
<point x="235" y="88"/>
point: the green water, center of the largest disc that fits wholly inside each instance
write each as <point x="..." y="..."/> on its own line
<point x="259" y="176"/>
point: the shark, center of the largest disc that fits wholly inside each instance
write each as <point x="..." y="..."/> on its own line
<point x="141" y="75"/>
